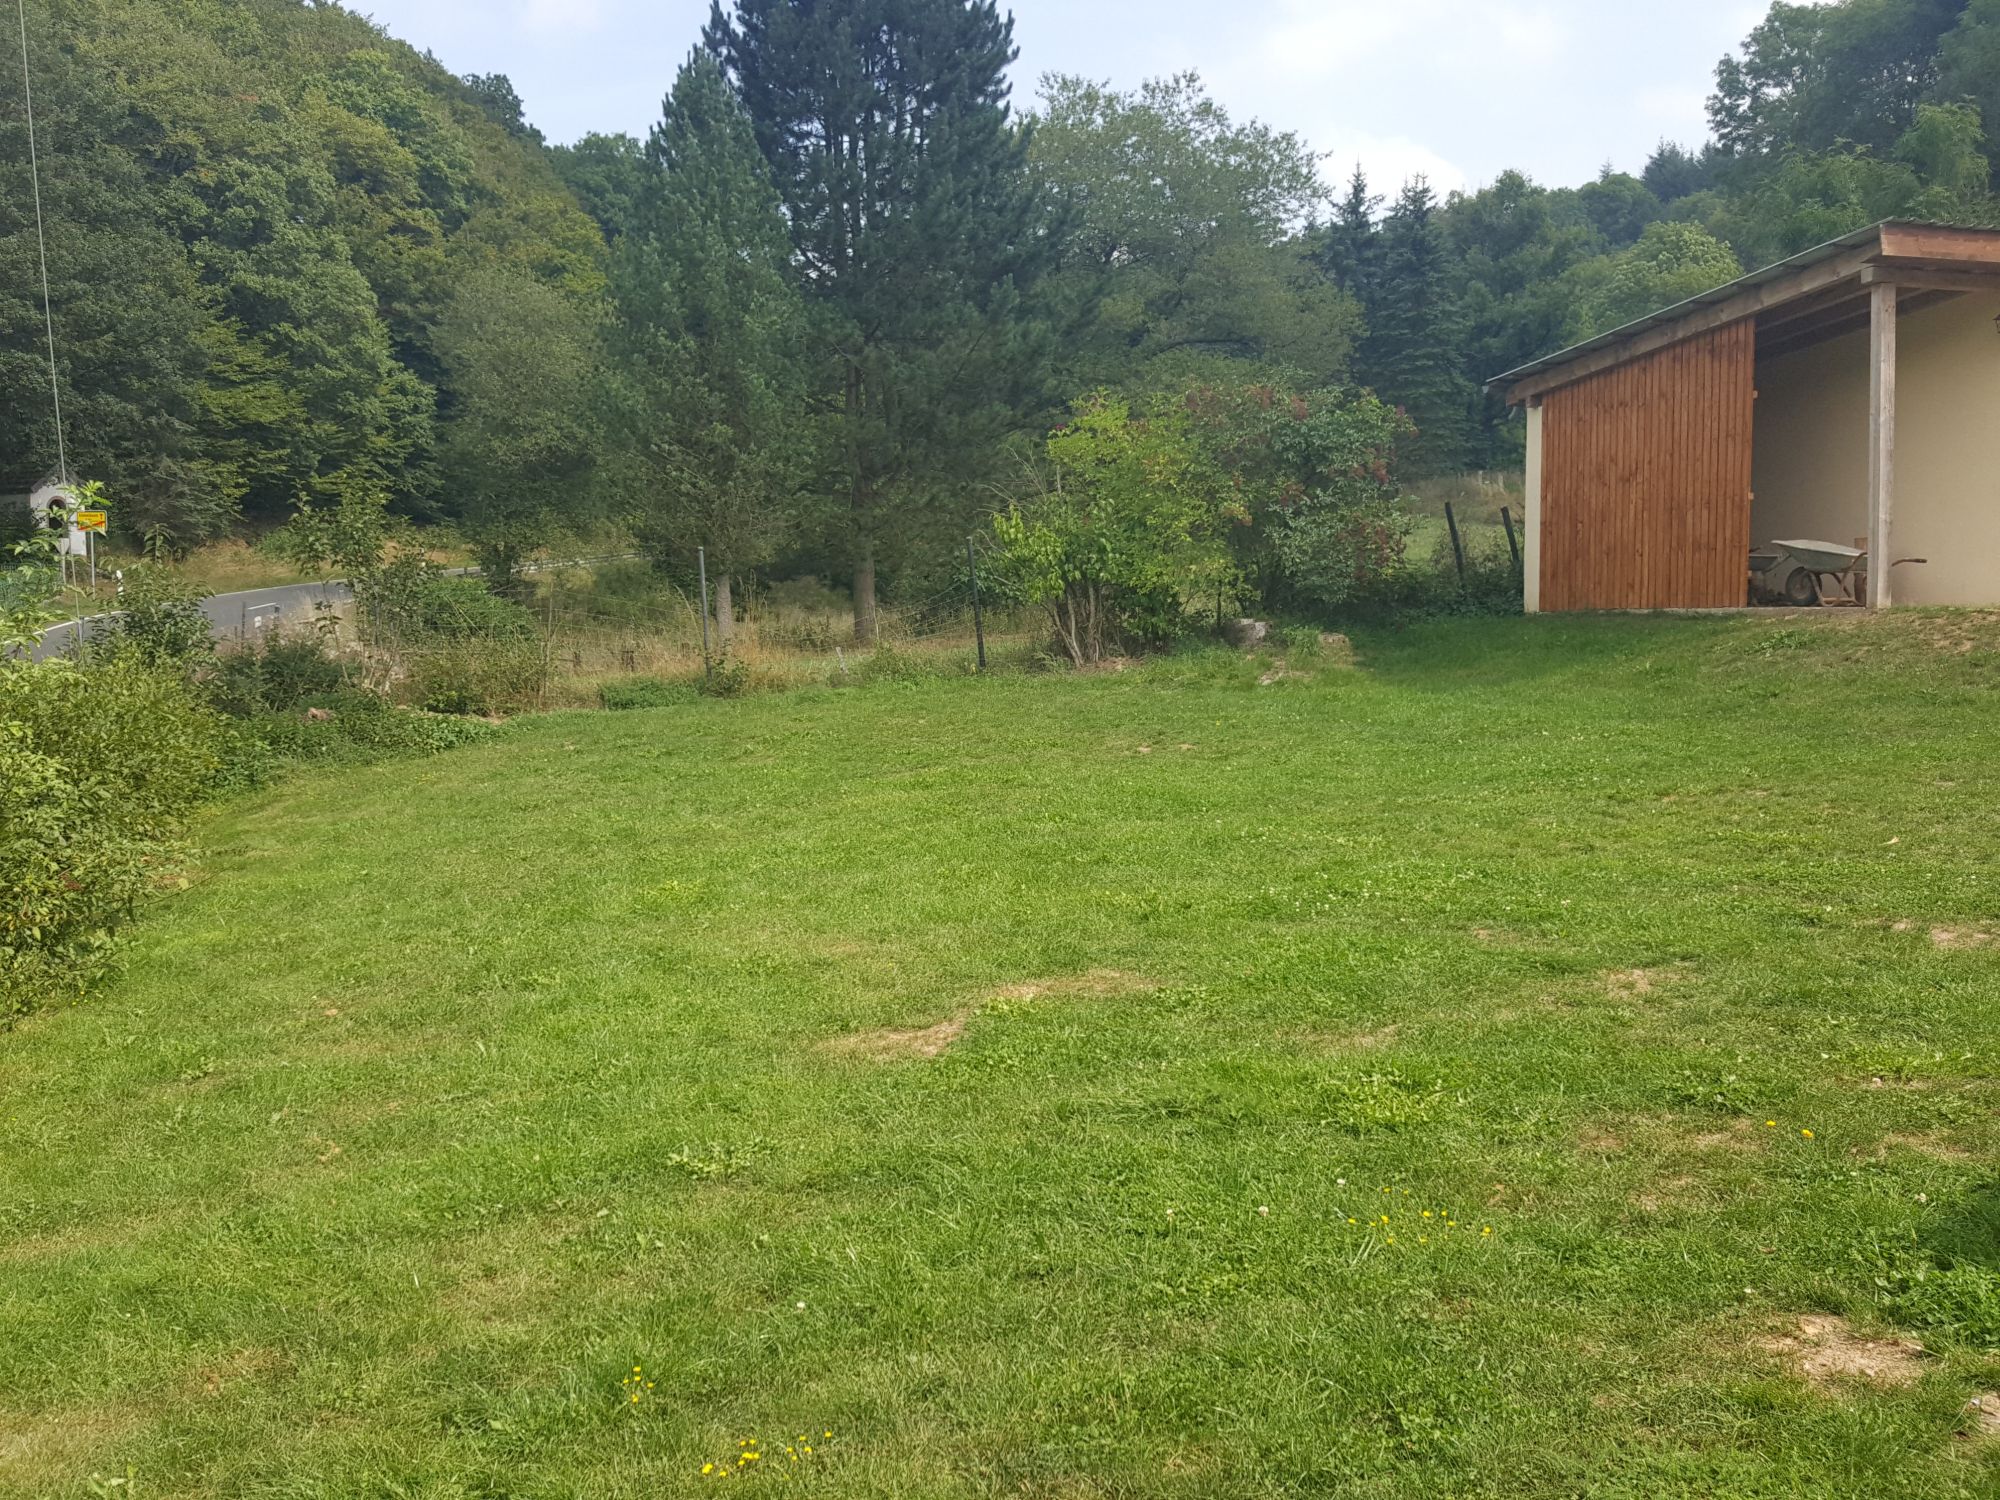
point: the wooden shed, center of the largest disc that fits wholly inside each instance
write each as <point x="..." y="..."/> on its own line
<point x="1849" y="395"/>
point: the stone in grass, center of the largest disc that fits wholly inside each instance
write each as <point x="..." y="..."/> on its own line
<point x="1982" y="1416"/>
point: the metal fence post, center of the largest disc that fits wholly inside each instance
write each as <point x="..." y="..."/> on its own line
<point x="701" y="566"/>
<point x="978" y="618"/>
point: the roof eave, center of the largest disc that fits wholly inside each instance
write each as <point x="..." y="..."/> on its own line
<point x="1711" y="298"/>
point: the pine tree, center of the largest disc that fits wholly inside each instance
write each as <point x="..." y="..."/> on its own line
<point x="1350" y="250"/>
<point x="918" y="230"/>
<point x="712" y="382"/>
<point x="1414" y="353"/>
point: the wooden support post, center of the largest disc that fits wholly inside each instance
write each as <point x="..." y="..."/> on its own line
<point x="1457" y="547"/>
<point x="1881" y="443"/>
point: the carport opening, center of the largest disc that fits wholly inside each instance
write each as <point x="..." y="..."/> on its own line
<point x="1809" y="457"/>
<point x="1809" y="454"/>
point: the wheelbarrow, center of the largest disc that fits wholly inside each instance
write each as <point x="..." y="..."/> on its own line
<point x="1806" y="573"/>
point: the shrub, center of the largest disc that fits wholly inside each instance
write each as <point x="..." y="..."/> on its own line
<point x="1491" y="586"/>
<point x="99" y="768"/>
<point x="160" y="622"/>
<point x="1129" y="528"/>
<point x="474" y="675"/>
<point x="413" y="603"/>
<point x="1315" y="470"/>
<point x="728" y="677"/>
<point x="275" y="674"/>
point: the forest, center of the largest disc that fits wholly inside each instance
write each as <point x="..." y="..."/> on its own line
<point x="852" y="299"/>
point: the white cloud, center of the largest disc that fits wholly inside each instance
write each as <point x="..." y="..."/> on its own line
<point x="561" y="15"/>
<point x="1321" y="38"/>
<point x="1389" y="161"/>
<point x="1528" y="34"/>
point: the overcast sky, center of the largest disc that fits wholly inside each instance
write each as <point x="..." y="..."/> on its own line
<point x="1457" y="89"/>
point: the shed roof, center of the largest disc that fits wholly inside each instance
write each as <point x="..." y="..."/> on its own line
<point x="1796" y="301"/>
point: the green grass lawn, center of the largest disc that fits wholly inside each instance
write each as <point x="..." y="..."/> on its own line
<point x="1534" y="1063"/>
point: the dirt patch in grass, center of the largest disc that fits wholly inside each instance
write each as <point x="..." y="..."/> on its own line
<point x="34" y="1447"/>
<point x="892" y="1045"/>
<point x="1741" y="1135"/>
<point x="1935" y="1147"/>
<point x="1667" y="1194"/>
<point x="1827" y="1351"/>
<point x="98" y="1237"/>
<point x="1344" y="1041"/>
<point x="1951" y="938"/>
<point x="1634" y="984"/>
<point x="1098" y="984"/>
<point x="1282" y="673"/>
<point x="218" y="1376"/>
<point x="1600" y="1140"/>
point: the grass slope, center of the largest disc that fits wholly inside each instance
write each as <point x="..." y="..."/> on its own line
<point x="917" y="1065"/>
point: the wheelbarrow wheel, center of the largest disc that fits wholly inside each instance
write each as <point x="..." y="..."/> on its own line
<point x="1801" y="588"/>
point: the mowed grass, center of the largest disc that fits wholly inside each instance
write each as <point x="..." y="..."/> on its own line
<point x="1063" y="1086"/>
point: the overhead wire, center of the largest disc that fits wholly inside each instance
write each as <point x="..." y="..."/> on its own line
<point x="42" y="245"/>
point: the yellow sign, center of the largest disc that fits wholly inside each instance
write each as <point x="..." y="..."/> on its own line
<point x="91" y="520"/>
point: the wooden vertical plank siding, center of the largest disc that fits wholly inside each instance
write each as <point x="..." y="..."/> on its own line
<point x="1646" y="479"/>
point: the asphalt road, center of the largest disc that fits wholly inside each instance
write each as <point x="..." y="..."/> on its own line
<point x="230" y="616"/>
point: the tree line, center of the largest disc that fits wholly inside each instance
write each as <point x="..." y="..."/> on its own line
<point x="827" y="314"/>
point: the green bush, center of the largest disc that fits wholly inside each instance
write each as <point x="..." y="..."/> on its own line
<point x="1430" y="588"/>
<point x="474" y="676"/>
<point x="646" y="692"/>
<point x="729" y="677"/>
<point x="160" y="622"/>
<point x="99" y="769"/>
<point x="274" y="675"/>
<point x="417" y="606"/>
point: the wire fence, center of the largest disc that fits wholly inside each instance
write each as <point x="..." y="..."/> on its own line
<point x="585" y="624"/>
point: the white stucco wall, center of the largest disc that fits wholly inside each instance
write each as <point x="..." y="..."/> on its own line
<point x="1531" y="541"/>
<point x="1811" y="455"/>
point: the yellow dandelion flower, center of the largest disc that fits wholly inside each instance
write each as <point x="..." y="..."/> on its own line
<point x="1770" y="1124"/>
<point x="1487" y="1230"/>
<point x="1807" y="1134"/>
